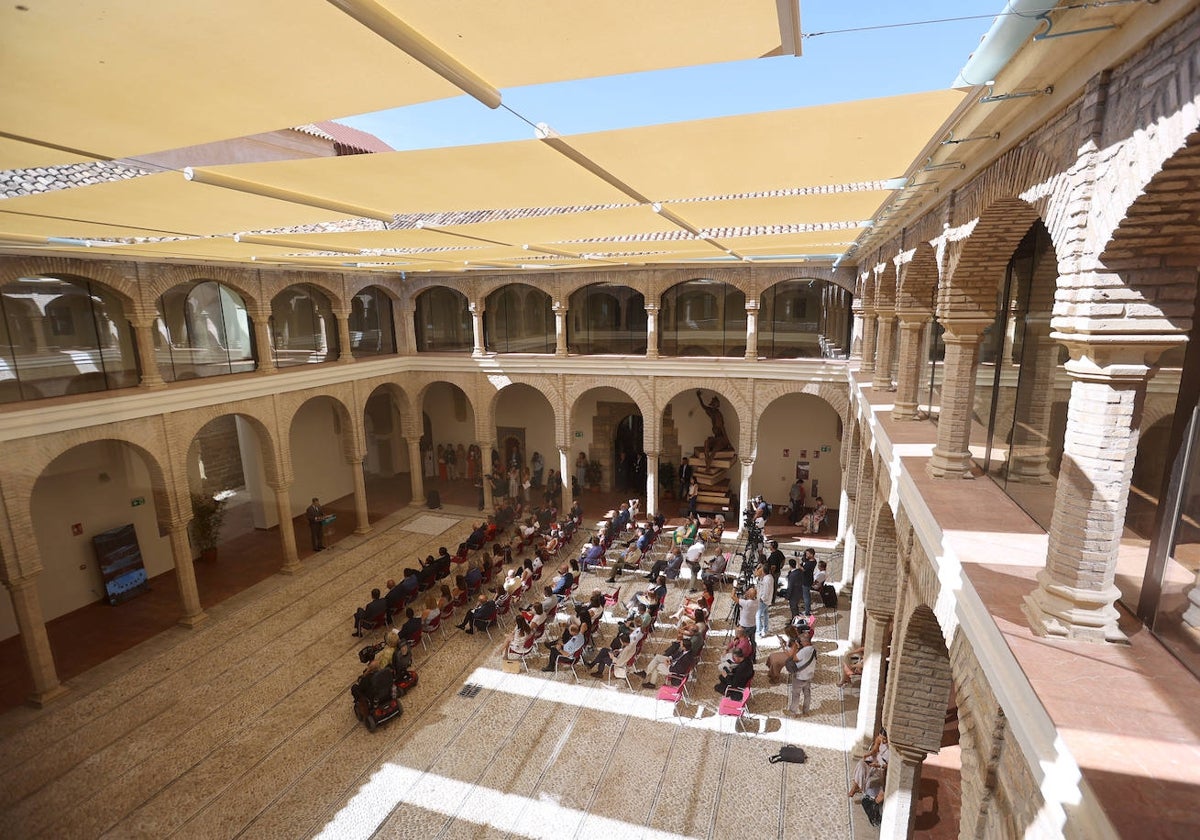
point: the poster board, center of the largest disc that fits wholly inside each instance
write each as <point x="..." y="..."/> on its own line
<point x="121" y="567"/>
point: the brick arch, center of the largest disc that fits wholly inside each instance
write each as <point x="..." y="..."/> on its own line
<point x="669" y="389"/>
<point x="922" y="682"/>
<point x="882" y="563"/>
<point x="122" y="283"/>
<point x="865" y="504"/>
<point x="27" y="461"/>
<point x="976" y="269"/>
<point x="419" y="385"/>
<point x="548" y="386"/>
<point x="404" y="400"/>
<point x="885" y="285"/>
<point x="260" y="414"/>
<point x="1160" y="230"/>
<point x="634" y="389"/>
<point x="166" y="277"/>
<point x="356" y="283"/>
<point x="918" y="280"/>
<point x="331" y="285"/>
<point x="853" y="459"/>
<point x="354" y="443"/>
<point x="866" y="288"/>
<point x="399" y="401"/>
<point x="832" y="394"/>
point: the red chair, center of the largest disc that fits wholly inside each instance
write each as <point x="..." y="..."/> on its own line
<point x="733" y="704"/>
<point x="503" y="605"/>
<point x="613" y="598"/>
<point x="569" y="662"/>
<point x="430" y="626"/>
<point x="447" y="617"/>
<point x="418" y="636"/>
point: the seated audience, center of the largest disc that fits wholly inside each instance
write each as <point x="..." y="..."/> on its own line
<point x="369" y="615"/>
<point x="568" y="646"/>
<point x="739" y="675"/>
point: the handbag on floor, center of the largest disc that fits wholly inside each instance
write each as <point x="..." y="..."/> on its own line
<point x="789" y="753"/>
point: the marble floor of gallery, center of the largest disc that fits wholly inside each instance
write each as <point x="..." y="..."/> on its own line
<point x="242" y="727"/>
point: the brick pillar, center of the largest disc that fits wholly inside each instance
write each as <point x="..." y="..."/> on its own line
<point x="287" y="532"/>
<point x="345" y="352"/>
<point x="143" y="337"/>
<point x="185" y="575"/>
<point x="477" y="327"/>
<point x="951" y="456"/>
<point x="408" y="319"/>
<point x="651" y="484"/>
<point x="35" y="644"/>
<point x="856" y="329"/>
<point x="885" y="320"/>
<point x="744" y="489"/>
<point x="869" y="328"/>
<point x="360" y="496"/>
<point x="489" y="501"/>
<point x="560" y="329"/>
<point x="416" y="472"/>
<point x="908" y="367"/>
<point x="1076" y="592"/>
<point x="751" y="329"/>
<point x="901" y="791"/>
<point x="264" y="347"/>
<point x="651" y="330"/>
<point x="870" y="701"/>
<point x="564" y="471"/>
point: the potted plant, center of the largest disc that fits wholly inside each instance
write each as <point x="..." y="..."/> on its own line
<point x="592" y="474"/>
<point x="208" y="515"/>
<point x="666" y="479"/>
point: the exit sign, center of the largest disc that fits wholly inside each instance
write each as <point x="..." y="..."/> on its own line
<point x="138" y="502"/>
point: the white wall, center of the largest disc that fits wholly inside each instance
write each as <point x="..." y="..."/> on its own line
<point x="447" y="426"/>
<point x="694" y="427"/>
<point x="523" y="407"/>
<point x="318" y="456"/>
<point x="581" y="421"/>
<point x="797" y="422"/>
<point x="72" y="490"/>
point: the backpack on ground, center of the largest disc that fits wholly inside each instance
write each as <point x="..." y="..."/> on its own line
<point x="789" y="753"/>
<point x="829" y="596"/>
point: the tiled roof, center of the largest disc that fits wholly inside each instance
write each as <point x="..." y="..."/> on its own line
<point x="344" y="135"/>
<point x="43" y="179"/>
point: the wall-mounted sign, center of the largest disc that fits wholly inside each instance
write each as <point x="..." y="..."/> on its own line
<point x="137" y="502"/>
<point x="579" y="434"/>
<point x="787" y="452"/>
<point x="826" y="449"/>
<point x="77" y="529"/>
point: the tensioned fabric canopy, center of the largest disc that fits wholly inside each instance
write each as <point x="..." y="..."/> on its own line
<point x="124" y="77"/>
<point x="797" y="182"/>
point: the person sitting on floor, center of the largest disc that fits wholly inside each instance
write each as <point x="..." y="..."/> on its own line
<point x="568" y="647"/>
<point x="371" y="614"/>
<point x="870" y="770"/>
<point x="738" y="677"/>
<point x="483" y="614"/>
<point x="852" y="665"/>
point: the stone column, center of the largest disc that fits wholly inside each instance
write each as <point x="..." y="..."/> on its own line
<point x="744" y="491"/>
<point x="287" y="531"/>
<point x="564" y="466"/>
<point x="651" y="330"/>
<point x="264" y="347"/>
<point x="477" y="327"/>
<point x="885" y="320"/>
<point x="869" y="327"/>
<point x="560" y="329"/>
<point x="27" y="608"/>
<point x="856" y="330"/>
<point x="870" y="701"/>
<point x="908" y="368"/>
<point x="185" y="575"/>
<point x="951" y="456"/>
<point x="416" y="472"/>
<point x="1029" y="450"/>
<point x="751" y="330"/>
<point x="345" y="352"/>
<point x="651" y="484"/>
<point x="143" y="338"/>
<point x="408" y="317"/>
<point x="901" y="791"/>
<point x="1076" y="592"/>
<point x="489" y="500"/>
<point x="360" y="496"/>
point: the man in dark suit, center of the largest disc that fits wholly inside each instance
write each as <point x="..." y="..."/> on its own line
<point x="685" y="477"/>
<point x="738" y="677"/>
<point x="371" y="613"/>
<point x="316" y="524"/>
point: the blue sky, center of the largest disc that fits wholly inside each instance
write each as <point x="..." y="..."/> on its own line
<point x="835" y="67"/>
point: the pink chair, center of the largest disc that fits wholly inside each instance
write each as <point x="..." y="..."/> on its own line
<point x="733" y="705"/>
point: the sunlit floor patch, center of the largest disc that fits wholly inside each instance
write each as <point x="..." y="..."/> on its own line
<point x="523" y="816"/>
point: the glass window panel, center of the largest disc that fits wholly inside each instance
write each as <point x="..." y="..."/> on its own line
<point x="789" y="320"/>
<point x="443" y="321"/>
<point x="519" y="319"/>
<point x="202" y="329"/>
<point x="605" y="318"/>
<point x="372" y="331"/>
<point x="63" y="336"/>
<point x="303" y="328"/>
